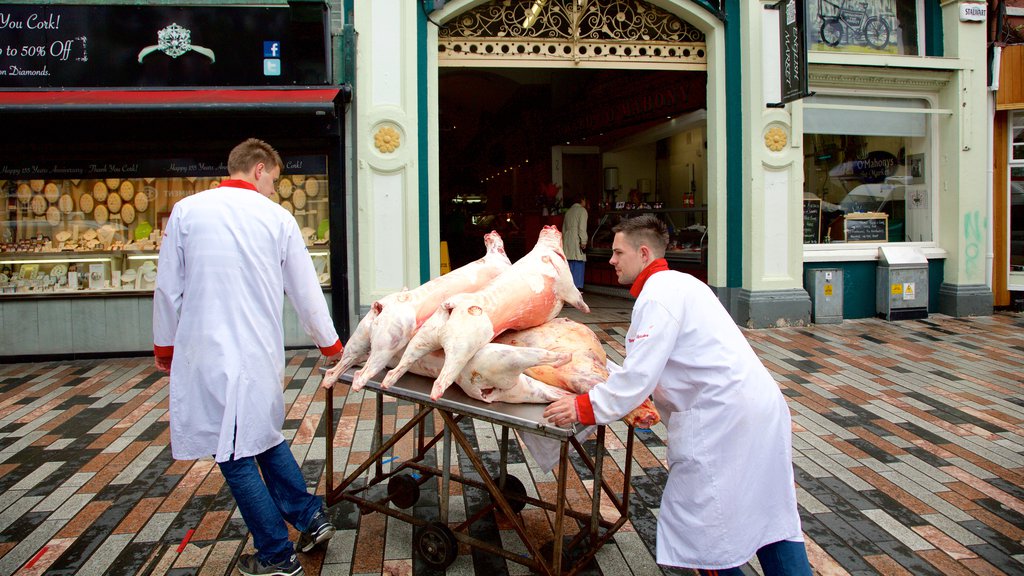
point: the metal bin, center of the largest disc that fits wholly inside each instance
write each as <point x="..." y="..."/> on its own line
<point x="825" y="286"/>
<point x="902" y="283"/>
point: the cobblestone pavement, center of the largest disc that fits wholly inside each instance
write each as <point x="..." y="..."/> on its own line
<point x="908" y="452"/>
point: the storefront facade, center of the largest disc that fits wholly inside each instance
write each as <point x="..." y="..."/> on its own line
<point x="894" y="132"/>
<point x="112" y="113"/>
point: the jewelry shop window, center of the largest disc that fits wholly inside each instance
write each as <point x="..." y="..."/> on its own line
<point x="867" y="170"/>
<point x="1017" y="193"/>
<point x="865" y="26"/>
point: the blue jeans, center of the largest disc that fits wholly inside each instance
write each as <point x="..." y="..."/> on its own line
<point x="265" y="503"/>
<point x="577" y="268"/>
<point x="782" y="558"/>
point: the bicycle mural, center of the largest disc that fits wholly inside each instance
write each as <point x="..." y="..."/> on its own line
<point x="854" y="25"/>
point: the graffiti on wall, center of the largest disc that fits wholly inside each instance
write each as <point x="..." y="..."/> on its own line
<point x="974" y="243"/>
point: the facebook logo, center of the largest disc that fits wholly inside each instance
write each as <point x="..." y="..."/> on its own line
<point x="271" y="49"/>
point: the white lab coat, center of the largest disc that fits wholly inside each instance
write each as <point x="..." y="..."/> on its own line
<point x="229" y="256"/>
<point x="730" y="488"/>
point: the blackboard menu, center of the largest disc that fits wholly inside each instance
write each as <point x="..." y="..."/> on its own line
<point x="867" y="227"/>
<point x="812" y="221"/>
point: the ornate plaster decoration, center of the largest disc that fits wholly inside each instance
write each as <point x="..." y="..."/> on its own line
<point x="857" y="77"/>
<point x="775" y="139"/>
<point x="579" y="31"/>
<point x="387" y="139"/>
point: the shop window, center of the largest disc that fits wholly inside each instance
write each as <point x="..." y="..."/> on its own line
<point x="865" y="26"/>
<point x="98" y="227"/>
<point x="1017" y="192"/>
<point x="867" y="170"/>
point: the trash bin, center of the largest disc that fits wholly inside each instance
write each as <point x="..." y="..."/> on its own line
<point x="902" y="283"/>
<point x="825" y="286"/>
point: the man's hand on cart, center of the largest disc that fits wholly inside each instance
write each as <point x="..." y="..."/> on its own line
<point x="562" y="412"/>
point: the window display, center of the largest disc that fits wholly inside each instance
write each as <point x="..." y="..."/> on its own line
<point x="64" y="234"/>
<point x="866" y="172"/>
<point x="1017" y="192"/>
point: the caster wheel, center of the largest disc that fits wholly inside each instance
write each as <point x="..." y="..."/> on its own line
<point x="513" y="488"/>
<point x="437" y="545"/>
<point x="403" y="490"/>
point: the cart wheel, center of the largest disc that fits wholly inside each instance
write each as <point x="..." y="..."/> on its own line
<point x="437" y="545"/>
<point x="403" y="490"/>
<point x="513" y="488"/>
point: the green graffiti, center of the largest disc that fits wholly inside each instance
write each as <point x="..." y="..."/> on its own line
<point x="974" y="236"/>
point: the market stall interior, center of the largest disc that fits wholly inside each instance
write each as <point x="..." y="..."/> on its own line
<point x="518" y="143"/>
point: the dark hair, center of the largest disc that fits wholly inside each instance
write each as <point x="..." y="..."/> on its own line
<point x="646" y="229"/>
<point x="250" y="153"/>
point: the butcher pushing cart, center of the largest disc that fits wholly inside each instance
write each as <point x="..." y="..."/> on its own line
<point x="437" y="542"/>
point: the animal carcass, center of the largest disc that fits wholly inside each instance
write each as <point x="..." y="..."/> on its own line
<point x="394" y="319"/>
<point x="587" y="368"/>
<point x="495" y="373"/>
<point x="527" y="294"/>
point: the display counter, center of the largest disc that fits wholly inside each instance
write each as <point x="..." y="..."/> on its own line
<point x="686" y="252"/>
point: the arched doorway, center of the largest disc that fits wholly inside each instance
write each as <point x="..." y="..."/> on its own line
<point x="614" y="101"/>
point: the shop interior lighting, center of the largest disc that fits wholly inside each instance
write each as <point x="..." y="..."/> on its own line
<point x="55" y="261"/>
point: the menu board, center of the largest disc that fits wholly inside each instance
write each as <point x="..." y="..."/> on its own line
<point x="867" y="227"/>
<point x="812" y="221"/>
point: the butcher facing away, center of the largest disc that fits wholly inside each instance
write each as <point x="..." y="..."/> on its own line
<point x="730" y="491"/>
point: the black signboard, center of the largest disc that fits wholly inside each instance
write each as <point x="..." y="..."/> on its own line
<point x="793" y="49"/>
<point x="863" y="228"/>
<point x="79" y="46"/>
<point x="146" y="168"/>
<point x="812" y="221"/>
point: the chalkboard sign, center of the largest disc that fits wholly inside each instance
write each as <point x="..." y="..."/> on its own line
<point x="867" y="227"/>
<point x="812" y="221"/>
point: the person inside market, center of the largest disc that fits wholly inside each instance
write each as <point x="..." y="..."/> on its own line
<point x="228" y="258"/>
<point x="574" y="238"/>
<point x="730" y="492"/>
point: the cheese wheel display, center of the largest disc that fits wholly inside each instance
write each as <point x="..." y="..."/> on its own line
<point x="51" y="192"/>
<point x="299" y="198"/>
<point x="99" y="191"/>
<point x="141" y="202"/>
<point x="86" y="203"/>
<point x="112" y="183"/>
<point x="288" y="206"/>
<point x="285" y="187"/>
<point x="24" y="193"/>
<point x="37" y="185"/>
<point x="53" y="215"/>
<point x="275" y="197"/>
<point x="298" y="179"/>
<point x="114" y="203"/>
<point x="127" y="213"/>
<point x="100" y="213"/>
<point x="312" y="187"/>
<point x="65" y="203"/>
<point x="127" y="190"/>
<point x="38" y="205"/>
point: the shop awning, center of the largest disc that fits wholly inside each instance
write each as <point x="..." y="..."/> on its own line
<point x="300" y="100"/>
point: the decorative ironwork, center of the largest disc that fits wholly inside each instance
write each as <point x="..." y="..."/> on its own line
<point x="576" y="30"/>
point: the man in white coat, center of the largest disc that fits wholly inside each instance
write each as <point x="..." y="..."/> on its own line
<point x="229" y="256"/>
<point x="574" y="239"/>
<point x="730" y="491"/>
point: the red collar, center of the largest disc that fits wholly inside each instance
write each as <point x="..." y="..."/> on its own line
<point x="659" y="265"/>
<point x="239" y="184"/>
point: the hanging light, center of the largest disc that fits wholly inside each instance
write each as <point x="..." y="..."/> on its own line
<point x="534" y="13"/>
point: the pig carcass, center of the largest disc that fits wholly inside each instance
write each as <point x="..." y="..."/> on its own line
<point x="396" y="317"/>
<point x="587" y="368"/>
<point x="495" y="373"/>
<point x="527" y="294"/>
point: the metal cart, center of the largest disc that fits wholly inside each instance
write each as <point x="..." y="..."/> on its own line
<point x="437" y="542"/>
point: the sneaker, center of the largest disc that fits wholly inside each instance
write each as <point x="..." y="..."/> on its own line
<point x="250" y="565"/>
<point x="320" y="530"/>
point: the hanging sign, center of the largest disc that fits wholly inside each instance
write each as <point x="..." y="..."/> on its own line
<point x="86" y="46"/>
<point x="793" y="50"/>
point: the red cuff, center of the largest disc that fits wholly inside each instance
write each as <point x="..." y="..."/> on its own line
<point x="163" y="351"/>
<point x="332" y="349"/>
<point x="584" y="410"/>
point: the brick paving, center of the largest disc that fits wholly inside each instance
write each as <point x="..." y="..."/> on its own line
<point x="908" y="453"/>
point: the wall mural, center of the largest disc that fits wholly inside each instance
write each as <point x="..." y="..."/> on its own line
<point x="867" y="26"/>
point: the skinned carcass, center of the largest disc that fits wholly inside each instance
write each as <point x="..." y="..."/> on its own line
<point x="527" y="294"/>
<point x="396" y="317"/>
<point x="495" y="373"/>
<point x="587" y="368"/>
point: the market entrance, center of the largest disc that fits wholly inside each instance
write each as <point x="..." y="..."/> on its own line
<point x="529" y="122"/>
